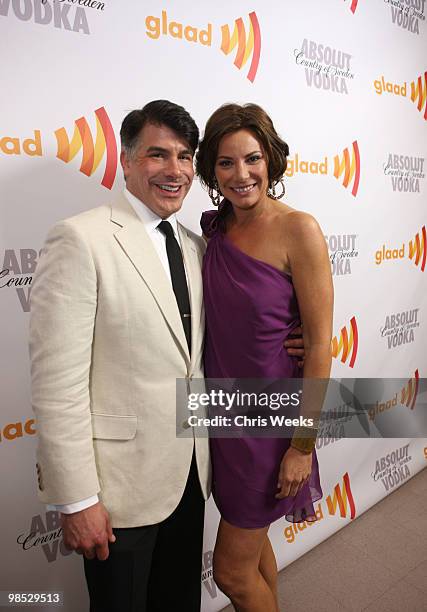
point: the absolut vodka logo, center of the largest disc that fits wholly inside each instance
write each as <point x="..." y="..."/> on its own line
<point x="405" y="172"/>
<point x="400" y="327"/>
<point x="207" y="574"/>
<point x="16" y="273"/>
<point x="407" y="14"/>
<point x="392" y="469"/>
<point x="325" y="67"/>
<point x="342" y="252"/>
<point x="59" y="14"/>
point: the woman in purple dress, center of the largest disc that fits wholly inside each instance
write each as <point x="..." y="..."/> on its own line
<point x="266" y="271"/>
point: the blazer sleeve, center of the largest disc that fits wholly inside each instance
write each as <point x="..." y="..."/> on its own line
<point x="63" y="310"/>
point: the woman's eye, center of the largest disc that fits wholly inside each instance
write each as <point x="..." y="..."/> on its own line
<point x="254" y="158"/>
<point x="224" y="163"/>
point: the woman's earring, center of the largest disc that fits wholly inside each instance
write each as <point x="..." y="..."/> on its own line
<point x="272" y="190"/>
<point x="215" y="194"/>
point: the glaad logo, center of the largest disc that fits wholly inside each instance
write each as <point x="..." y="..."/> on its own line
<point x="408" y="395"/>
<point x="341" y="498"/>
<point x="325" y="67"/>
<point x="347" y="344"/>
<point x="405" y="172"/>
<point x="417" y="250"/>
<point x="12" y="431"/>
<point x="245" y="48"/>
<point x="342" y="250"/>
<point x="22" y="265"/>
<point x="392" y="469"/>
<point x="56" y="13"/>
<point x="82" y="138"/>
<point x="342" y="166"/>
<point x="47" y="535"/>
<point x="248" y="46"/>
<point x="399" y="327"/>
<point x="408" y="398"/>
<point x="418" y="91"/>
<point x="353" y="6"/>
<point x="350" y="169"/>
<point x="10" y="145"/>
<point x="92" y="152"/>
<point x="407" y="13"/>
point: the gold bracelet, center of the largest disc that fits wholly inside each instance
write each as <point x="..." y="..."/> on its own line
<point x="304" y="439"/>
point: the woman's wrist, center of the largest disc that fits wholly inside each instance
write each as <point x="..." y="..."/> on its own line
<point x="304" y="439"/>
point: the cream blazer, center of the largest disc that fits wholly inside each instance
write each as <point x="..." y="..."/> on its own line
<point x="106" y="346"/>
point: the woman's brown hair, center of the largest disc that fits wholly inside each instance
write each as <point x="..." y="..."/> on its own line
<point x="230" y="118"/>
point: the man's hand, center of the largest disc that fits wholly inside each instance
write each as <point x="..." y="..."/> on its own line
<point x="88" y="532"/>
<point x="295" y="471"/>
<point x="295" y="345"/>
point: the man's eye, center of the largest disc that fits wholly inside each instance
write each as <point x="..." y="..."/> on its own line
<point x="157" y="154"/>
<point x="187" y="157"/>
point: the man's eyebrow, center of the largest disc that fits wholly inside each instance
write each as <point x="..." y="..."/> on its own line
<point x="154" y="149"/>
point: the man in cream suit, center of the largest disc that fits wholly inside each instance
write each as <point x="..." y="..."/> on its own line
<point x="111" y="331"/>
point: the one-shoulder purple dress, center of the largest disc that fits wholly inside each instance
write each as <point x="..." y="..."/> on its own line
<point x="251" y="308"/>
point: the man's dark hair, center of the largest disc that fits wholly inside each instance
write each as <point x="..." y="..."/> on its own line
<point x="158" y="112"/>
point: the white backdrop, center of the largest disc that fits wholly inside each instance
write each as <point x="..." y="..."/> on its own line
<point x="346" y="85"/>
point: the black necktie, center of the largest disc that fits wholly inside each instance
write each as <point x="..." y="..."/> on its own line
<point x="179" y="282"/>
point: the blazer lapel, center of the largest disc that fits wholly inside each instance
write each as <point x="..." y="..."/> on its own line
<point x="195" y="287"/>
<point x="136" y="243"/>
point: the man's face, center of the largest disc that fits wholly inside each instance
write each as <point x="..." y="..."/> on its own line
<point x="160" y="173"/>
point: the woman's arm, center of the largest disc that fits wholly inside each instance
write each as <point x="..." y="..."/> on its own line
<point x="311" y="274"/>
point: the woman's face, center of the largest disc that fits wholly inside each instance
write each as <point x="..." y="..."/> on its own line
<point x="241" y="169"/>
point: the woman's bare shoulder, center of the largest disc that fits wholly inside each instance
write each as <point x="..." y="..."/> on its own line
<point x="298" y="223"/>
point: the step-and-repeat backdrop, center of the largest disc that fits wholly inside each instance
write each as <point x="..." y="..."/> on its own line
<point x="345" y="83"/>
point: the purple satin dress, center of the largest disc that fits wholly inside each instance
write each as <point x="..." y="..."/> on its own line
<point x="251" y="308"/>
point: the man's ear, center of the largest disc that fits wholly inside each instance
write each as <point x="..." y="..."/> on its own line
<point x="124" y="163"/>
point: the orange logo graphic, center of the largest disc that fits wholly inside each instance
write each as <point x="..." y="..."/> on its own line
<point x="418" y="248"/>
<point x="350" y="169"/>
<point x="92" y="153"/>
<point x="12" y="431"/>
<point x="245" y="47"/>
<point x="419" y="93"/>
<point x="409" y="393"/>
<point x="342" y="497"/>
<point x="347" y="344"/>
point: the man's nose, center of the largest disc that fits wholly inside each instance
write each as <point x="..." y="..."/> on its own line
<point x="173" y="168"/>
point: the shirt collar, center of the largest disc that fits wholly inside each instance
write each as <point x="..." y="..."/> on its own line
<point x="147" y="216"/>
